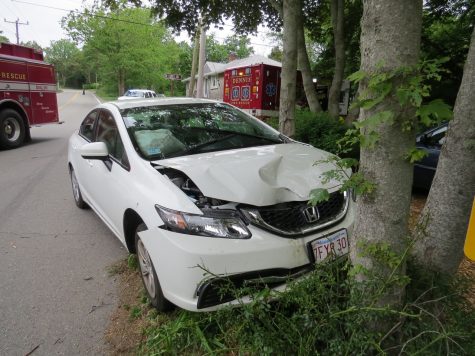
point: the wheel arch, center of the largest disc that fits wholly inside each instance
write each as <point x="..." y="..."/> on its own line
<point x="11" y="104"/>
<point x="131" y="220"/>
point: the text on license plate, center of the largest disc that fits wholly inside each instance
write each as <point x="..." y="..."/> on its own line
<point x="331" y="246"/>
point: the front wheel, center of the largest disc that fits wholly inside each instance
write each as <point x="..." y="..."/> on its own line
<point x="12" y="129"/>
<point x="149" y="276"/>
<point x="80" y="203"/>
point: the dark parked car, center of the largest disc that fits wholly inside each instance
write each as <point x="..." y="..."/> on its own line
<point x="431" y="141"/>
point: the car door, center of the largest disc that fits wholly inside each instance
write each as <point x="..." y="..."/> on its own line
<point x="108" y="181"/>
<point x="86" y="135"/>
<point x="424" y="170"/>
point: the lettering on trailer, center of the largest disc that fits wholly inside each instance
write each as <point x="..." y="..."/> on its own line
<point x="12" y="76"/>
<point x="241" y="80"/>
<point x="22" y="86"/>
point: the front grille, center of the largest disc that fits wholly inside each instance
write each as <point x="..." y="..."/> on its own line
<point x="290" y="218"/>
<point x="225" y="289"/>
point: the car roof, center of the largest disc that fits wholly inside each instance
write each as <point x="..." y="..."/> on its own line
<point x="139" y="90"/>
<point x="134" y="103"/>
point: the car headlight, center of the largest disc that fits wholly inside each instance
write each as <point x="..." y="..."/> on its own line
<point x="213" y="223"/>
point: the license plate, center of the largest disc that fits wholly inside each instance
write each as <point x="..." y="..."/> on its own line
<point x="331" y="246"/>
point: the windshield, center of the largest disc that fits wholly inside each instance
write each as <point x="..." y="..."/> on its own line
<point x="166" y="131"/>
<point x="134" y="93"/>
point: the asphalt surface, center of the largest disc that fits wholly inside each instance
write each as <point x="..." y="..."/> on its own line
<point x="56" y="294"/>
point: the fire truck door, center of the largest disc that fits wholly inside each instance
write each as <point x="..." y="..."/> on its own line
<point x="42" y="94"/>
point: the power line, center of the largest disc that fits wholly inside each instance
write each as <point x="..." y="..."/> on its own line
<point x="112" y="18"/>
<point x="15" y="14"/>
<point x="90" y="14"/>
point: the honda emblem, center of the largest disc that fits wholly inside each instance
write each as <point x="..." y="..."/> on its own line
<point x="311" y="214"/>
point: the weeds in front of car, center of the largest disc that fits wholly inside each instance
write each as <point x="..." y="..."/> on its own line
<point x="327" y="313"/>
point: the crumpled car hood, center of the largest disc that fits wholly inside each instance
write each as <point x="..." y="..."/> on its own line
<point x="260" y="176"/>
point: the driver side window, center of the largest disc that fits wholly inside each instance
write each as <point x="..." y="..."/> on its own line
<point x="87" y="127"/>
<point x="108" y="133"/>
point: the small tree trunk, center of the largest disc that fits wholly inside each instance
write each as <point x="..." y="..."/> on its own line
<point x="194" y="63"/>
<point x="121" y="81"/>
<point x="337" y="14"/>
<point x="445" y="216"/>
<point x="289" y="68"/>
<point x="382" y="216"/>
<point x="304" y="66"/>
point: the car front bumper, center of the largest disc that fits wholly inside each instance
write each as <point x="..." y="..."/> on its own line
<point x="189" y="266"/>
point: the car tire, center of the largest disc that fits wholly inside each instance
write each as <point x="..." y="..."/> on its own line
<point x="12" y="129"/>
<point x="149" y="275"/>
<point x="80" y="203"/>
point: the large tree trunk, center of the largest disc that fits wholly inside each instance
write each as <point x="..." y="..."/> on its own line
<point x="304" y="66"/>
<point x="289" y="68"/>
<point x="337" y="14"/>
<point x="390" y="34"/>
<point x="444" y="219"/>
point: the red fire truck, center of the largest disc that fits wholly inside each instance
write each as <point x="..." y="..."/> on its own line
<point x="27" y="93"/>
<point x="254" y="89"/>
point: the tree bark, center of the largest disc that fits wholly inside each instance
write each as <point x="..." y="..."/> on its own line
<point x="289" y="68"/>
<point x="194" y="63"/>
<point x="121" y="81"/>
<point x="391" y="33"/>
<point x="444" y="219"/>
<point x="304" y="66"/>
<point x="337" y="15"/>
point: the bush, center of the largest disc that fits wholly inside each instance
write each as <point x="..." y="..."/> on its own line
<point x="90" y="86"/>
<point x="319" y="315"/>
<point x="320" y="130"/>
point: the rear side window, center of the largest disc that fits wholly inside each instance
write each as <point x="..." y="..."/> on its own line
<point x="87" y="127"/>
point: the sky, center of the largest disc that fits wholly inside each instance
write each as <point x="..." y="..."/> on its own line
<point x="44" y="23"/>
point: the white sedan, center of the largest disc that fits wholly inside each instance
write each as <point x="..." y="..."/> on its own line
<point x="139" y="94"/>
<point x="205" y="193"/>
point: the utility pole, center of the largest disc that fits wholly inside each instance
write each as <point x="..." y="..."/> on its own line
<point x="194" y="63"/>
<point x="17" y="22"/>
<point x="201" y="63"/>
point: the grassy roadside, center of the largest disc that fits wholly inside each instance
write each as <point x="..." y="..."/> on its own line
<point x="103" y="96"/>
<point x="437" y="319"/>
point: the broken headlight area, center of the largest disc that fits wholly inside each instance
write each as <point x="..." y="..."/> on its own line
<point x="213" y="223"/>
<point x="187" y="186"/>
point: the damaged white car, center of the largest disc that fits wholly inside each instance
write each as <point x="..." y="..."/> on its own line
<point x="203" y="192"/>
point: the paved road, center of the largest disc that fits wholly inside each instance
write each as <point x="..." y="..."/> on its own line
<point x="55" y="292"/>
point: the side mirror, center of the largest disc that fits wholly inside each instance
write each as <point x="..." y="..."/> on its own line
<point x="94" y="150"/>
<point x="422" y="139"/>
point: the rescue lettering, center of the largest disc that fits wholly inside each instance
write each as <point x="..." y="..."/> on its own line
<point x="241" y="80"/>
<point x="13" y="76"/>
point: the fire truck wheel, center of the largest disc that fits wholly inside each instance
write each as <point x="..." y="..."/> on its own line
<point x="12" y="129"/>
<point x="81" y="204"/>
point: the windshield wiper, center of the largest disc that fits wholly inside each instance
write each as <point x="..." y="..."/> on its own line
<point x="280" y="138"/>
<point x="196" y="148"/>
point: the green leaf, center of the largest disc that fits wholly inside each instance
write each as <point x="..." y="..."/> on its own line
<point x="373" y="121"/>
<point x="358" y="76"/>
<point x="318" y="195"/>
<point x="434" y="112"/>
<point x="415" y="154"/>
<point x="369" y="140"/>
